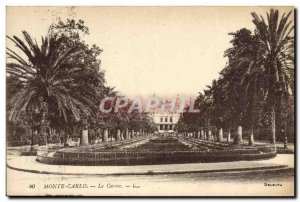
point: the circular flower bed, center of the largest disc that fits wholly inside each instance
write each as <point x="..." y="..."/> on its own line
<point x="157" y="151"/>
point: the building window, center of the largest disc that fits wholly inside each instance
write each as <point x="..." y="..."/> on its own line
<point x="171" y="127"/>
<point x="171" y="119"/>
<point x="161" y="126"/>
<point x="161" y="119"/>
<point x="166" y="127"/>
<point x="166" y="119"/>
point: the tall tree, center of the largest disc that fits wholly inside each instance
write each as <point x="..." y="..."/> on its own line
<point x="277" y="51"/>
<point x="51" y="79"/>
<point x="245" y="76"/>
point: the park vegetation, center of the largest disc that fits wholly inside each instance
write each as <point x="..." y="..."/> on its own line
<point x="54" y="90"/>
<point x="255" y="90"/>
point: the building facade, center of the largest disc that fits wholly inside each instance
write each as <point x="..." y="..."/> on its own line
<point x="165" y="120"/>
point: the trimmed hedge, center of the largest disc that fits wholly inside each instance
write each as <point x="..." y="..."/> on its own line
<point x="28" y="153"/>
<point x="153" y="157"/>
<point x="156" y="151"/>
<point x="284" y="151"/>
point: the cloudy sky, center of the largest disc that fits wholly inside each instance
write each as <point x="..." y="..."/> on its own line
<point x="164" y="50"/>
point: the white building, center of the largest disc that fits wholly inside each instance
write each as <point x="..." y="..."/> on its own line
<point x="165" y="120"/>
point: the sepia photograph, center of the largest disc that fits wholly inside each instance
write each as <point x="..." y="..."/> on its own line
<point x="166" y="101"/>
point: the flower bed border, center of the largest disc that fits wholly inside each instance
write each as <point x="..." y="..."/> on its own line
<point x="132" y="157"/>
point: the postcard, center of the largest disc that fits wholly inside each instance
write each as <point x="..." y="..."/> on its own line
<point x="150" y="101"/>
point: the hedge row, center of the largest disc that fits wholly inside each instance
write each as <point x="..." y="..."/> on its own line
<point x="162" y="158"/>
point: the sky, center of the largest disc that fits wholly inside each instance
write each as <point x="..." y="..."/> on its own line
<point x="164" y="51"/>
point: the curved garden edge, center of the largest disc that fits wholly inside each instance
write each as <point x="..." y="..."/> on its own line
<point x="29" y="164"/>
<point x="162" y="159"/>
<point x="279" y="167"/>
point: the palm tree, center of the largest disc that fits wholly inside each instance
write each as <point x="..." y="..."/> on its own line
<point x="261" y="67"/>
<point x="277" y="52"/>
<point x="50" y="78"/>
<point x="244" y="75"/>
<point x="207" y="108"/>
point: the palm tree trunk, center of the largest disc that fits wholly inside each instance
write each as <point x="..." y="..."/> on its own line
<point x="251" y="138"/>
<point x="84" y="133"/>
<point x="50" y="135"/>
<point x="229" y="136"/>
<point x="31" y="143"/>
<point x="285" y="136"/>
<point x="84" y="137"/>
<point x="209" y="137"/>
<point x="43" y="125"/>
<point x="66" y="138"/>
<point x="105" y="135"/>
<point x="127" y="134"/>
<point x="112" y="134"/>
<point x="273" y="127"/>
<point x="118" y="135"/>
<point x="220" y="136"/>
<point x="122" y="135"/>
<point x="239" y="135"/>
<point x="251" y="135"/>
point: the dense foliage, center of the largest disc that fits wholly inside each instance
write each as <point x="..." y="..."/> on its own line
<point x="54" y="89"/>
<point x="256" y="88"/>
